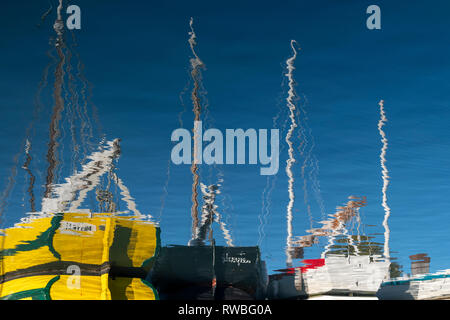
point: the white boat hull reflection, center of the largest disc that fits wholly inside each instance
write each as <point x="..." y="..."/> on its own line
<point x="340" y="275"/>
<point x="434" y="286"/>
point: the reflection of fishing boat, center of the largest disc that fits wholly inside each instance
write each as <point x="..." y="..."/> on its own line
<point x="200" y="271"/>
<point x="352" y="269"/>
<point x="333" y="276"/>
<point x="65" y="252"/>
<point x="431" y="286"/>
<point x="421" y="285"/>
<point x="209" y="273"/>
<point x="359" y="272"/>
<point x="344" y="276"/>
<point x="356" y="273"/>
<point x="78" y="256"/>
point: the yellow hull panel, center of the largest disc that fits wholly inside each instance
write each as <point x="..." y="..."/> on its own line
<point x="71" y="256"/>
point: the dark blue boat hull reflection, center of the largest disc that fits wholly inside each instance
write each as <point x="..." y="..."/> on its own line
<point x="209" y="273"/>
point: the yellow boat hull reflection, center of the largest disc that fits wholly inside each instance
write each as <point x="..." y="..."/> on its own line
<point x="78" y="256"/>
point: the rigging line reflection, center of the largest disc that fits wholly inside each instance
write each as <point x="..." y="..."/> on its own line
<point x="196" y="64"/>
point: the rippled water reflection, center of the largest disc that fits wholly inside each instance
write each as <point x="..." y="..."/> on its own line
<point x="91" y="206"/>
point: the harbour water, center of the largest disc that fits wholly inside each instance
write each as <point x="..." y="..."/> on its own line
<point x="355" y="124"/>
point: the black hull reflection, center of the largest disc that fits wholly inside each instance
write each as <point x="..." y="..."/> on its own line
<point x="209" y="273"/>
<point x="282" y="287"/>
<point x="399" y="292"/>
